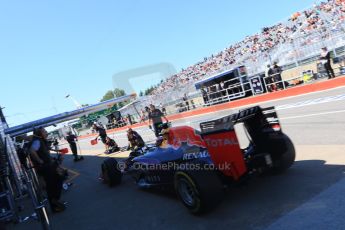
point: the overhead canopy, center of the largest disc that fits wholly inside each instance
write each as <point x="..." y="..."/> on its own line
<point x="66" y="116"/>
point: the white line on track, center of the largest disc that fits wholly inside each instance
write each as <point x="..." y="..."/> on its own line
<point x="313" y="114"/>
<point x="311" y="102"/>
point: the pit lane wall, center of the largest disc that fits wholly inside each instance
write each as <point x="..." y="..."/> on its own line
<point x="290" y="92"/>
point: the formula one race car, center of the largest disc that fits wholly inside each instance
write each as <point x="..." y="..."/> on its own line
<point x="200" y="164"/>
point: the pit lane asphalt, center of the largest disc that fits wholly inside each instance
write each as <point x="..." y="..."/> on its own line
<point x="305" y="196"/>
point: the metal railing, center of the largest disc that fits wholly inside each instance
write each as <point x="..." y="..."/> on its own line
<point x="232" y="92"/>
<point x="18" y="183"/>
<point x="280" y="84"/>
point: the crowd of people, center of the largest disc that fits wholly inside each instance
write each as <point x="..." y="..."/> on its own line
<point x="253" y="48"/>
<point x="225" y="90"/>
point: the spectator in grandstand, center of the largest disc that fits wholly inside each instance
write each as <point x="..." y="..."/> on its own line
<point x="326" y="61"/>
<point x="39" y="152"/>
<point x="71" y="139"/>
<point x="155" y="116"/>
<point x="321" y="18"/>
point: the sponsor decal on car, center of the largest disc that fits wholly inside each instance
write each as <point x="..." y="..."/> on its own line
<point x="221" y="142"/>
<point x="186" y="135"/>
<point x="196" y="155"/>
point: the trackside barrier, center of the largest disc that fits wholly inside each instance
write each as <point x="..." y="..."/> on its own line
<point x="234" y="91"/>
<point x="287" y="83"/>
<point x="182" y="106"/>
<point x="224" y="95"/>
<point x="272" y="84"/>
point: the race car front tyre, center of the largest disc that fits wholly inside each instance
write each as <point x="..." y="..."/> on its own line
<point x="285" y="159"/>
<point x="111" y="172"/>
<point x="199" y="190"/>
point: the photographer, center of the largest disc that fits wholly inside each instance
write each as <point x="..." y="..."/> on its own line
<point x="39" y="152"/>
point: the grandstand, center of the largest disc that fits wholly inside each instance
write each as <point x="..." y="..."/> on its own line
<point x="295" y="43"/>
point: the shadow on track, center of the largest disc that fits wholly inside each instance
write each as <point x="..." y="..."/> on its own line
<point x="254" y="205"/>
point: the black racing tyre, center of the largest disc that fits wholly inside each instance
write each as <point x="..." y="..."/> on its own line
<point x="199" y="190"/>
<point x="286" y="159"/>
<point x="111" y="172"/>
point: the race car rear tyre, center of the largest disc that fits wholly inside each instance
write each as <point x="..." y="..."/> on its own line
<point x="111" y="172"/>
<point x="286" y="159"/>
<point x="199" y="190"/>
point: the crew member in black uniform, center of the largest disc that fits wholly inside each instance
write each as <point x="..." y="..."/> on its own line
<point x="112" y="145"/>
<point x="326" y="61"/>
<point x="71" y="139"/>
<point x="155" y="116"/>
<point x="134" y="140"/>
<point x="102" y="134"/>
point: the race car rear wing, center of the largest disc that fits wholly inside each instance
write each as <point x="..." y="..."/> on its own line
<point x="264" y="118"/>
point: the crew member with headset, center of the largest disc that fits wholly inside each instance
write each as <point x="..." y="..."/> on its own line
<point x="155" y="116"/>
<point x="39" y="152"/>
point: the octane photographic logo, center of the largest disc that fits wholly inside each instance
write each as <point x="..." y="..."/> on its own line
<point x="121" y="165"/>
<point x="173" y="166"/>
